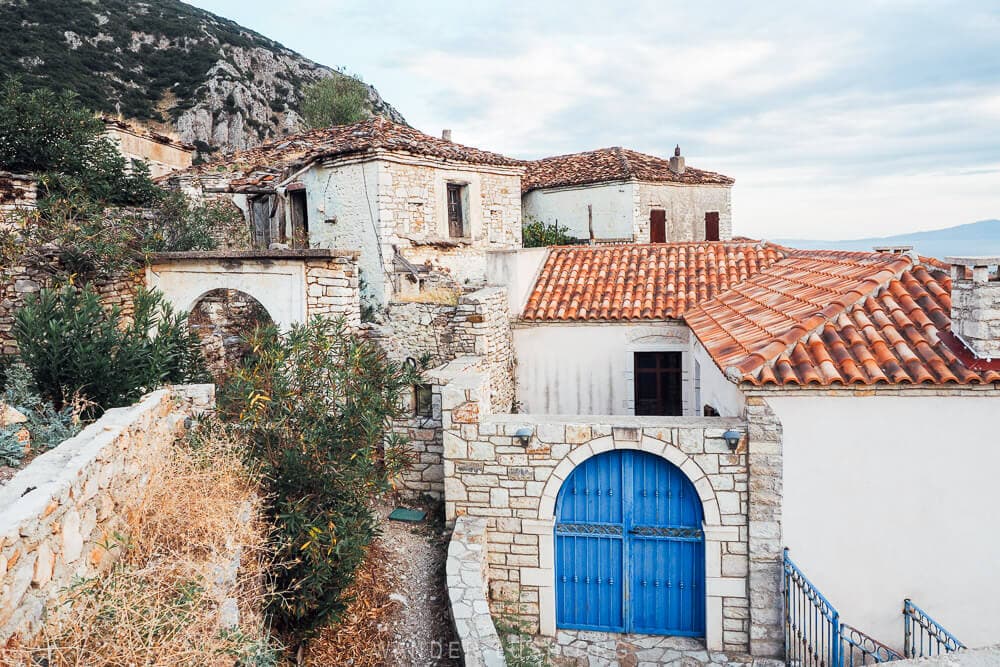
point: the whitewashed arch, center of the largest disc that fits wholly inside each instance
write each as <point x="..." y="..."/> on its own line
<point x="715" y="533"/>
<point x="279" y="285"/>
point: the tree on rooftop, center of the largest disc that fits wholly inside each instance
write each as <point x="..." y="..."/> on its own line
<point x="338" y="100"/>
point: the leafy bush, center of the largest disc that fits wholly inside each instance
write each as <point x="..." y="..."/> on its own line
<point x="337" y="100"/>
<point x="46" y="426"/>
<point x="318" y="404"/>
<point x="536" y="234"/>
<point x="75" y="347"/>
<point x="42" y="132"/>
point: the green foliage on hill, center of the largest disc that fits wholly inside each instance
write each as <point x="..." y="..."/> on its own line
<point x="335" y="101"/>
<point x="117" y="55"/>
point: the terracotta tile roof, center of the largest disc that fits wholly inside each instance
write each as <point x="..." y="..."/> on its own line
<point x="829" y="318"/>
<point x="610" y="164"/>
<point x="275" y="158"/>
<point x="640" y="281"/>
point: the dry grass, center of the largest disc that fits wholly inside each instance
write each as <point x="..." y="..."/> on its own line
<point x="439" y="295"/>
<point x="362" y="637"/>
<point x="159" y="603"/>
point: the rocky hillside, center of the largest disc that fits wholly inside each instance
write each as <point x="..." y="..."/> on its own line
<point x="171" y="65"/>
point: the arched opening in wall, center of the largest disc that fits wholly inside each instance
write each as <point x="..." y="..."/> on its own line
<point x="630" y="548"/>
<point x="222" y="318"/>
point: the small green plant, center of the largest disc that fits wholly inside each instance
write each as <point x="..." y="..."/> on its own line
<point x="536" y="234"/>
<point x="518" y="648"/>
<point x="47" y="426"/>
<point x="317" y="405"/>
<point x="74" y="347"/>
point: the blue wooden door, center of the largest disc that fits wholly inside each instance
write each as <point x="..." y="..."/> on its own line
<point x="630" y="552"/>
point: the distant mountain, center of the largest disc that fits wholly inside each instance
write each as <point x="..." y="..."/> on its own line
<point x="175" y="67"/>
<point x="976" y="238"/>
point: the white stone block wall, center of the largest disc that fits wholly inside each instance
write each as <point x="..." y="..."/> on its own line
<point x="332" y="288"/>
<point x="60" y="515"/>
<point x="490" y="475"/>
<point x="685" y="207"/>
<point x="975" y="312"/>
<point x="465" y="575"/>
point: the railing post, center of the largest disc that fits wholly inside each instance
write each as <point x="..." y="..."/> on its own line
<point x="836" y="659"/>
<point x="907" y="631"/>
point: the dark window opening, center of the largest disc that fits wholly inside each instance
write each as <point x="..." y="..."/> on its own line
<point x="300" y="218"/>
<point x="712" y="226"/>
<point x="456" y="216"/>
<point x="709" y="411"/>
<point x="260" y="222"/>
<point x="658" y="383"/>
<point x="657" y="226"/>
<point x="423" y="404"/>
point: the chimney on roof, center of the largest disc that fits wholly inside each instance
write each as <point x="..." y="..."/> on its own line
<point x="898" y="250"/>
<point x="975" y="304"/>
<point x="677" y="161"/>
<point x="446" y="135"/>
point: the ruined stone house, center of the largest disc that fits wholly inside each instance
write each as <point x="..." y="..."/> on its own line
<point x="422" y="210"/>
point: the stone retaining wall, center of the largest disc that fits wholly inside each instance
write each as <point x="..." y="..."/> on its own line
<point x="466" y="580"/>
<point x="60" y="515"/>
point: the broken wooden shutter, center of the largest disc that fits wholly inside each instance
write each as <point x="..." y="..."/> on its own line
<point x="456" y="225"/>
<point x="260" y="218"/>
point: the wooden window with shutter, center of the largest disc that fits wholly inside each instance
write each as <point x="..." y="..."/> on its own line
<point x="657" y="226"/>
<point x="712" y="226"/>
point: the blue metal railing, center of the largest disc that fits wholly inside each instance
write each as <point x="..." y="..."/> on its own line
<point x="815" y="635"/>
<point x="923" y="636"/>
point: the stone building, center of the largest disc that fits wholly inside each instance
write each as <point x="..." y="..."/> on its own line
<point x="162" y="153"/>
<point x="617" y="194"/>
<point x="422" y="210"/>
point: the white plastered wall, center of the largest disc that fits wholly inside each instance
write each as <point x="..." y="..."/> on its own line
<point x="891" y="497"/>
<point x="612" y="209"/>
<point x="586" y="369"/>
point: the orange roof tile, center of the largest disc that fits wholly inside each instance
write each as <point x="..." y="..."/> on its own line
<point x="825" y="318"/>
<point x="610" y="164"/>
<point x="640" y="281"/>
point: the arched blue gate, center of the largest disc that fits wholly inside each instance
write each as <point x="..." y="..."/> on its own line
<point x="630" y="552"/>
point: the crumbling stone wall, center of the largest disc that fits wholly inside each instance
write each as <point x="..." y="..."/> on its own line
<point x="17" y="282"/>
<point x="332" y="288"/>
<point x="221" y="319"/>
<point x="478" y="326"/>
<point x="60" y="515"/>
<point x="17" y="192"/>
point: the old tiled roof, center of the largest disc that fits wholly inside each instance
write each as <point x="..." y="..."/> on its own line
<point x="640" y="281"/>
<point x="610" y="164"/>
<point x="836" y="318"/>
<point x="262" y="165"/>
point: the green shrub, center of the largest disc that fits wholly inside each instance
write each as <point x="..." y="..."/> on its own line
<point x="536" y="234"/>
<point x="337" y="100"/>
<point x="75" y="347"/>
<point x="318" y="404"/>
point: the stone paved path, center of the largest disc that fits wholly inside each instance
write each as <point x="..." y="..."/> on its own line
<point x="599" y="649"/>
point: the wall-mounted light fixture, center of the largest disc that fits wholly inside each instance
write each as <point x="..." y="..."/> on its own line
<point x="523" y="435"/>
<point x="732" y="438"/>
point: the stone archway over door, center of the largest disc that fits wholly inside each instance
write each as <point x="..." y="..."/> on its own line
<point x="291" y="285"/>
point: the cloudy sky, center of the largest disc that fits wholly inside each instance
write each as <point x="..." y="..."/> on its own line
<point x="841" y="120"/>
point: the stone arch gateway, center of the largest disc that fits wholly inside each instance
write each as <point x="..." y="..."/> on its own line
<point x="291" y="285"/>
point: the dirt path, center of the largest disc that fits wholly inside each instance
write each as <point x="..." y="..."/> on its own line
<point x="421" y="631"/>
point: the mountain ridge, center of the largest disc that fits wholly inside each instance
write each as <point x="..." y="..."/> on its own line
<point x="973" y="238"/>
<point x="171" y="66"/>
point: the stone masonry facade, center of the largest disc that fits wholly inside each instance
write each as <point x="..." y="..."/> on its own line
<point x="975" y="305"/>
<point x="489" y="474"/>
<point x="477" y="326"/>
<point x="332" y="288"/>
<point x="61" y="513"/>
